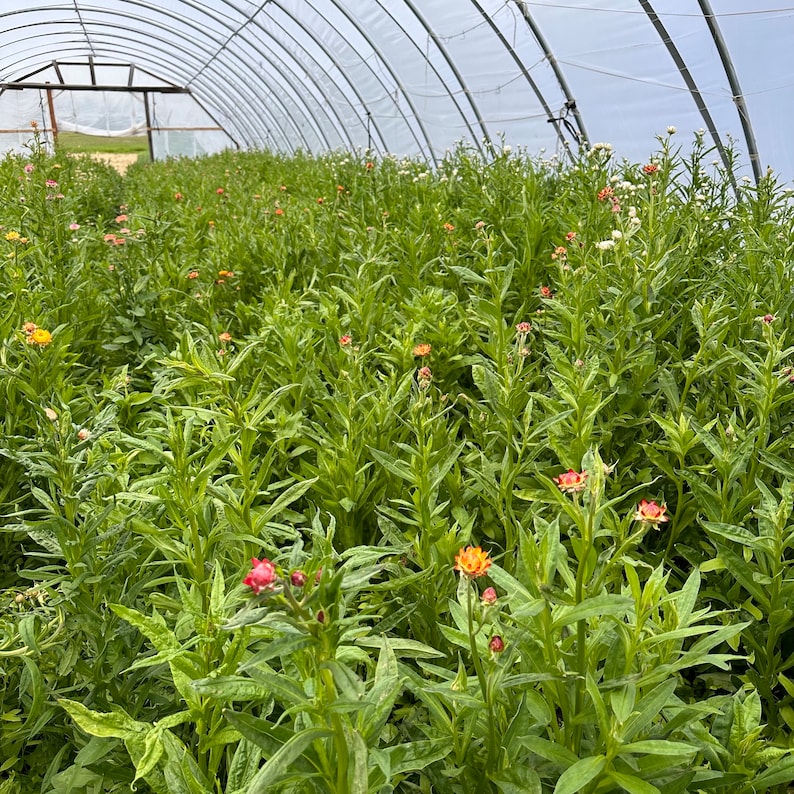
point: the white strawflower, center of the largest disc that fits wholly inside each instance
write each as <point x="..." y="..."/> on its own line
<point x="605" y="245"/>
<point x="617" y="234"/>
<point x="671" y="130"/>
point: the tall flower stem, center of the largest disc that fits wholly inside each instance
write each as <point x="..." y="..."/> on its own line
<point x="485" y="690"/>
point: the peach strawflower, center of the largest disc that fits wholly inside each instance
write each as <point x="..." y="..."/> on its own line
<point x="545" y="292"/>
<point x="650" y="168"/>
<point x="571" y="481"/>
<point x="29" y="328"/>
<point x="278" y="211"/>
<point x="121" y="218"/>
<point x="40" y="337"/>
<point x="225" y="337"/>
<point x="422" y="349"/>
<point x="84" y="434"/>
<point x="605" y="193"/>
<point x="50" y="414"/>
<point x="472" y="562"/>
<point x="651" y="513"/>
<point x="193" y="274"/>
<point x="345" y="340"/>
<point x="449" y="227"/>
<point x="523" y="328"/>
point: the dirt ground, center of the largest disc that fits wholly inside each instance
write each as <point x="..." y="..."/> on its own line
<point x="121" y="162"/>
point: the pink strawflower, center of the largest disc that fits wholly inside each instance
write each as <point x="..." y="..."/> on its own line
<point x="651" y="513"/>
<point x="488" y="596"/>
<point x="263" y="575"/>
<point x="297" y="578"/>
<point x="571" y="481"/>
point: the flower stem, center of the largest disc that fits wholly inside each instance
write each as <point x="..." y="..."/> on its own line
<point x="484" y="688"/>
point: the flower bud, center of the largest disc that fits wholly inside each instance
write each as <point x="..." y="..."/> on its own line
<point x="298" y="578"/>
<point x="497" y="644"/>
<point x="488" y="596"/>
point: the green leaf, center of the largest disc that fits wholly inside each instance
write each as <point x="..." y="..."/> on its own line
<point x="116" y="723"/>
<point x="551" y="751"/>
<point x="633" y="785"/>
<point x="153" y="628"/>
<point x="658" y="747"/>
<point x="575" y="778"/>
<point x="519" y="780"/>
<point x="279" y="763"/>
<point x="232" y="687"/>
<point x="414" y="756"/>
<point x="357" y="779"/>
<point x="598" y="606"/>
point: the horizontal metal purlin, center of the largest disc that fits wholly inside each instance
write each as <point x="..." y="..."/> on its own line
<point x="143" y="129"/>
<point x="143" y="89"/>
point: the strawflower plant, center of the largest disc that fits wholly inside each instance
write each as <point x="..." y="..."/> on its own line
<point x="466" y="478"/>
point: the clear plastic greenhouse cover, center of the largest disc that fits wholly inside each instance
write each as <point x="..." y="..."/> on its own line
<point x="410" y="77"/>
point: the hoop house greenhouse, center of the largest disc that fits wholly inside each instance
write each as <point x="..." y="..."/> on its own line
<point x="396" y="397"/>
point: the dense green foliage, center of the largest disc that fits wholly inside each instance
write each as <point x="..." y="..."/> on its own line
<point x="231" y="371"/>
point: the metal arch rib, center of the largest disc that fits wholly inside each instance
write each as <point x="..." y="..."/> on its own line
<point x="320" y="95"/>
<point x="83" y="27"/>
<point x="689" y="80"/>
<point x="417" y="118"/>
<point x="553" y="120"/>
<point x="453" y="68"/>
<point x="297" y="98"/>
<point x="242" y="87"/>
<point x="135" y="50"/>
<point x="377" y="77"/>
<point x="330" y="57"/>
<point x="324" y="49"/>
<point x="555" y="66"/>
<point x="79" y="52"/>
<point x="164" y="51"/>
<point x="733" y="81"/>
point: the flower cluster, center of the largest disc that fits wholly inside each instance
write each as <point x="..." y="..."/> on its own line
<point x="36" y="336"/>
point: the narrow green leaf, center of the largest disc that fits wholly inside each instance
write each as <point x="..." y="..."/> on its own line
<point x="632" y="784"/>
<point x="576" y="777"/>
<point x="278" y="764"/>
<point x="598" y="606"/>
<point x="116" y="723"/>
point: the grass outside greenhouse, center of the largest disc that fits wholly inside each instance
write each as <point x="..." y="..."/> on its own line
<point x="508" y="443"/>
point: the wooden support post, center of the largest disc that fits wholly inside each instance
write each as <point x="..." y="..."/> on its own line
<point x="53" y="122"/>
<point x="148" y="125"/>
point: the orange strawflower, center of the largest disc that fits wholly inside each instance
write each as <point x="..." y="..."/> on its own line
<point x="472" y="562"/>
<point x="651" y="513"/>
<point x="422" y="349"/>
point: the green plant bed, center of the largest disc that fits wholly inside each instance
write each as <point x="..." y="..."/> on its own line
<point x="345" y="474"/>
